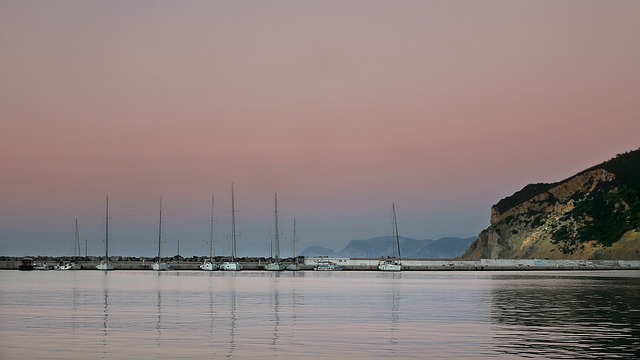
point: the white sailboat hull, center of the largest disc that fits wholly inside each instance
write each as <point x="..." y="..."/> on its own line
<point x="389" y="266"/>
<point x="208" y="266"/>
<point x="328" y="266"/>
<point x="68" y="266"/>
<point x="231" y="266"/>
<point x="292" y="267"/>
<point x="160" y="266"/>
<point x="276" y="266"/>
<point x="104" y="265"/>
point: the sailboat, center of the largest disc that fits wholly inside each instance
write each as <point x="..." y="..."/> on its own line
<point x="72" y="265"/>
<point x="296" y="265"/>
<point x="159" y="265"/>
<point x="275" y="264"/>
<point x="393" y="264"/>
<point x="232" y="265"/>
<point x="208" y="264"/>
<point x="105" y="265"/>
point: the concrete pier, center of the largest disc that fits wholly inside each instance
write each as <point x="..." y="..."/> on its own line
<point x="352" y="264"/>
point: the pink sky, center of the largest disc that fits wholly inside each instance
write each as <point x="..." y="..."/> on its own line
<point x="444" y="107"/>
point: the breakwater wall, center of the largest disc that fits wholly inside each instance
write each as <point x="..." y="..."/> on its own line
<point x="484" y="264"/>
<point x="354" y="264"/>
<point x="129" y="265"/>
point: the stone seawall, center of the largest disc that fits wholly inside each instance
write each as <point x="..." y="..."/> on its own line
<point x="407" y="265"/>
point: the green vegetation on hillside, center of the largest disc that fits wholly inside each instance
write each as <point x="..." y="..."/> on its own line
<point x="625" y="166"/>
<point x="609" y="211"/>
<point x="523" y="195"/>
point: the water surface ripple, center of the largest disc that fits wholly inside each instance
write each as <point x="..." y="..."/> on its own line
<point x="341" y="315"/>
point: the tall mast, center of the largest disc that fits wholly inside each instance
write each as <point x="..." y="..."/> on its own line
<point x="295" y="240"/>
<point x="277" y="230"/>
<point x="76" y="245"/>
<point x="106" y="236"/>
<point x="160" y="231"/>
<point x="233" y="226"/>
<point x="395" y="229"/>
<point x="211" y="233"/>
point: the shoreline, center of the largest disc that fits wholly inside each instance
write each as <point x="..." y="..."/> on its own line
<point x="352" y="264"/>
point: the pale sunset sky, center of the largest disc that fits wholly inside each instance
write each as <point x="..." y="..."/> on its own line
<point x="341" y="107"/>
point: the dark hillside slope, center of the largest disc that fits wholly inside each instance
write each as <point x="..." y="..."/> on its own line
<point x="593" y="214"/>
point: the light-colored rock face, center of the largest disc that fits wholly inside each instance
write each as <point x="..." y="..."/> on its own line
<point x="526" y="229"/>
<point x="558" y="197"/>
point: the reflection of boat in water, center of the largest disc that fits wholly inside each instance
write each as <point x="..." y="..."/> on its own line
<point x="395" y="313"/>
<point x="105" y="264"/>
<point x="275" y="264"/>
<point x="326" y="265"/>
<point x="393" y="264"/>
<point x="159" y="324"/>
<point x="159" y="265"/>
<point x="276" y="320"/>
<point x="232" y="265"/>
<point x="296" y="265"/>
<point x="105" y="320"/>
<point x="232" y="322"/>
<point x="208" y="264"/>
<point x="26" y="264"/>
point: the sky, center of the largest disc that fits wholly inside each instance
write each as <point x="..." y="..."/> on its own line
<point x="342" y="108"/>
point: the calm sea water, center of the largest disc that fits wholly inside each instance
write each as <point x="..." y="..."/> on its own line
<point x="313" y="315"/>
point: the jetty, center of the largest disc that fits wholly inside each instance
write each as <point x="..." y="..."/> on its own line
<point x="349" y="264"/>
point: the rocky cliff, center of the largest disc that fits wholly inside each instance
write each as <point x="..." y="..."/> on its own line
<point x="592" y="215"/>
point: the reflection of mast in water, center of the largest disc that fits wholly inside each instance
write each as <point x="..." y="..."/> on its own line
<point x="159" y="321"/>
<point x="211" y="312"/>
<point x="232" y="346"/>
<point x="294" y="299"/>
<point x="76" y="303"/>
<point x="105" y="320"/>
<point x="277" y="315"/>
<point x="395" y="310"/>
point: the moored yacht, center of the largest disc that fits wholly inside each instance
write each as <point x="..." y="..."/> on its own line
<point x="68" y="265"/>
<point x="391" y="263"/>
<point x="159" y="265"/>
<point x="326" y="265"/>
<point x="275" y="264"/>
<point x="208" y="264"/>
<point x="296" y="265"/>
<point x="105" y="264"/>
<point x="26" y="264"/>
<point x="72" y="265"/>
<point x="232" y="264"/>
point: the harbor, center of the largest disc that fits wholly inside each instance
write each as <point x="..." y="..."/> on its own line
<point x="345" y="264"/>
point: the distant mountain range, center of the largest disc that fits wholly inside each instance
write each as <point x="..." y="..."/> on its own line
<point x="594" y="214"/>
<point x="445" y="248"/>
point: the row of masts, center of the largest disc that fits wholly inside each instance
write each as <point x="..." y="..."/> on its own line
<point x="232" y="264"/>
<point x="77" y="247"/>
